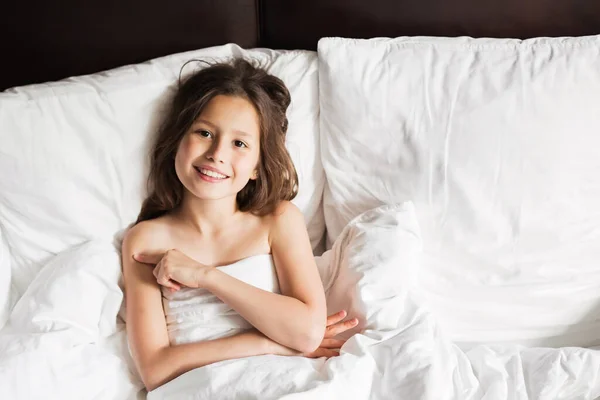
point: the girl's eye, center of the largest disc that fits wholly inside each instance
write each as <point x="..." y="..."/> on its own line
<point x="204" y="133"/>
<point x="239" y="143"/>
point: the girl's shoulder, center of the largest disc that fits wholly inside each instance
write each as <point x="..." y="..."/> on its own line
<point x="283" y="213"/>
<point x="284" y="209"/>
<point x="286" y="218"/>
<point x="147" y="234"/>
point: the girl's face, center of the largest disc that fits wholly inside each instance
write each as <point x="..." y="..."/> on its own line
<point x="220" y="152"/>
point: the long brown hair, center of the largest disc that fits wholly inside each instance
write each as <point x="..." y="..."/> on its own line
<point x="277" y="178"/>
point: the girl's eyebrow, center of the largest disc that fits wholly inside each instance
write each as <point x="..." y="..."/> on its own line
<point x="242" y="133"/>
<point x="213" y="126"/>
<point x="206" y="123"/>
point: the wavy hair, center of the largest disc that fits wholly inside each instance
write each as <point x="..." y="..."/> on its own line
<point x="277" y="178"/>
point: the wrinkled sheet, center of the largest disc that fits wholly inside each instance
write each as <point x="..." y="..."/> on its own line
<point x="50" y="366"/>
<point x="51" y="351"/>
<point x="412" y="362"/>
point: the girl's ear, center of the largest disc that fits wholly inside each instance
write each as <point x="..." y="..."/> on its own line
<point x="254" y="175"/>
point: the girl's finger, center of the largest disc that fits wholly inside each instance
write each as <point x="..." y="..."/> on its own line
<point x="164" y="280"/>
<point x="169" y="284"/>
<point x="147" y="258"/>
<point x="332" y="343"/>
<point x="158" y="269"/>
<point x="328" y="353"/>
<point x="337" y="317"/>
<point x="340" y="327"/>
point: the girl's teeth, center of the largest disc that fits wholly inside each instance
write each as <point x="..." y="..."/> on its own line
<point x="212" y="174"/>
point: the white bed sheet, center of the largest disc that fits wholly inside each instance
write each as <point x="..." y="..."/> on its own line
<point x="415" y="362"/>
<point x="51" y="352"/>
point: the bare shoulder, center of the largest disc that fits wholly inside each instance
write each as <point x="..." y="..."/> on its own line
<point x="286" y="220"/>
<point x="285" y="213"/>
<point x="146" y="235"/>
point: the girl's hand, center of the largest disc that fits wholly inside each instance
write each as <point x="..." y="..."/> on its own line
<point x="174" y="269"/>
<point x="329" y="347"/>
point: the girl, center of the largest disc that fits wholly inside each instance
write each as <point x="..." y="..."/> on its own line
<point x="219" y="264"/>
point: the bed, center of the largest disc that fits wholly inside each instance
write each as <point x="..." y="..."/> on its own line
<point x="447" y="157"/>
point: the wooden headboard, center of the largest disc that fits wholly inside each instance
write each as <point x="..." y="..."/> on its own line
<point x="43" y="40"/>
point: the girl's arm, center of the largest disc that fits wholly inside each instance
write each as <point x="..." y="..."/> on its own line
<point x="157" y="361"/>
<point x="296" y="317"/>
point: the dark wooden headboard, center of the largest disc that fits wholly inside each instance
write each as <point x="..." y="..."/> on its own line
<point x="43" y="40"/>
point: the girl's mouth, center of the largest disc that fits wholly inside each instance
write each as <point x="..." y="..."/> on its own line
<point x="210" y="176"/>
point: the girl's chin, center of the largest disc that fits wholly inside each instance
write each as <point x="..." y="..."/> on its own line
<point x="204" y="194"/>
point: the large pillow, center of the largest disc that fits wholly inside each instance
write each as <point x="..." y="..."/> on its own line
<point x="496" y="143"/>
<point x="6" y="292"/>
<point x="64" y="333"/>
<point x="371" y="267"/>
<point x="74" y="153"/>
<point x="78" y="293"/>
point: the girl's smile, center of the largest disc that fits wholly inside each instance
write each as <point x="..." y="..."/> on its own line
<point x="210" y="174"/>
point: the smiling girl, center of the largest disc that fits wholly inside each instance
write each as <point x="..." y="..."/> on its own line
<point x="219" y="264"/>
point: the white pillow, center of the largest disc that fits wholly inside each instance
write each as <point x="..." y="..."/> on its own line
<point x="78" y="292"/>
<point x="64" y="329"/>
<point x="370" y="269"/>
<point x="74" y="153"/>
<point x="6" y="292"/>
<point x="496" y="142"/>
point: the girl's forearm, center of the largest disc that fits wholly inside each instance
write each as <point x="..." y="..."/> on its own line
<point x="176" y="360"/>
<point x="284" y="319"/>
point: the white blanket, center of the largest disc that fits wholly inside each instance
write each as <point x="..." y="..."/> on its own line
<point x="415" y="362"/>
<point x="400" y="353"/>
<point x="53" y="350"/>
<point x="411" y="363"/>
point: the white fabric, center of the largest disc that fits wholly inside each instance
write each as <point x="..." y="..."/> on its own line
<point x="401" y="354"/>
<point x="62" y="339"/>
<point x="6" y="292"/>
<point x="73" y="153"/>
<point x="78" y="291"/>
<point x="64" y="182"/>
<point x="83" y="354"/>
<point x="194" y="315"/>
<point x="496" y="142"/>
<point x="371" y="266"/>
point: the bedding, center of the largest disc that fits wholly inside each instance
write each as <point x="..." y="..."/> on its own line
<point x="74" y="152"/>
<point x="405" y="354"/>
<point x="64" y="339"/>
<point x="195" y="314"/>
<point x="459" y="204"/>
<point x="370" y="268"/>
<point x="496" y="143"/>
<point x="368" y="274"/>
<point x="6" y="292"/>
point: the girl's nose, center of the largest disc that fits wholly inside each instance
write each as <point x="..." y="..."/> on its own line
<point x="217" y="152"/>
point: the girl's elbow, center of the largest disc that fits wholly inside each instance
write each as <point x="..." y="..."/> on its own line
<point x="150" y="386"/>
<point x="310" y="345"/>
<point x="153" y="380"/>
<point x="314" y="337"/>
<point x="152" y="375"/>
<point x="150" y="381"/>
<point x="308" y="338"/>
